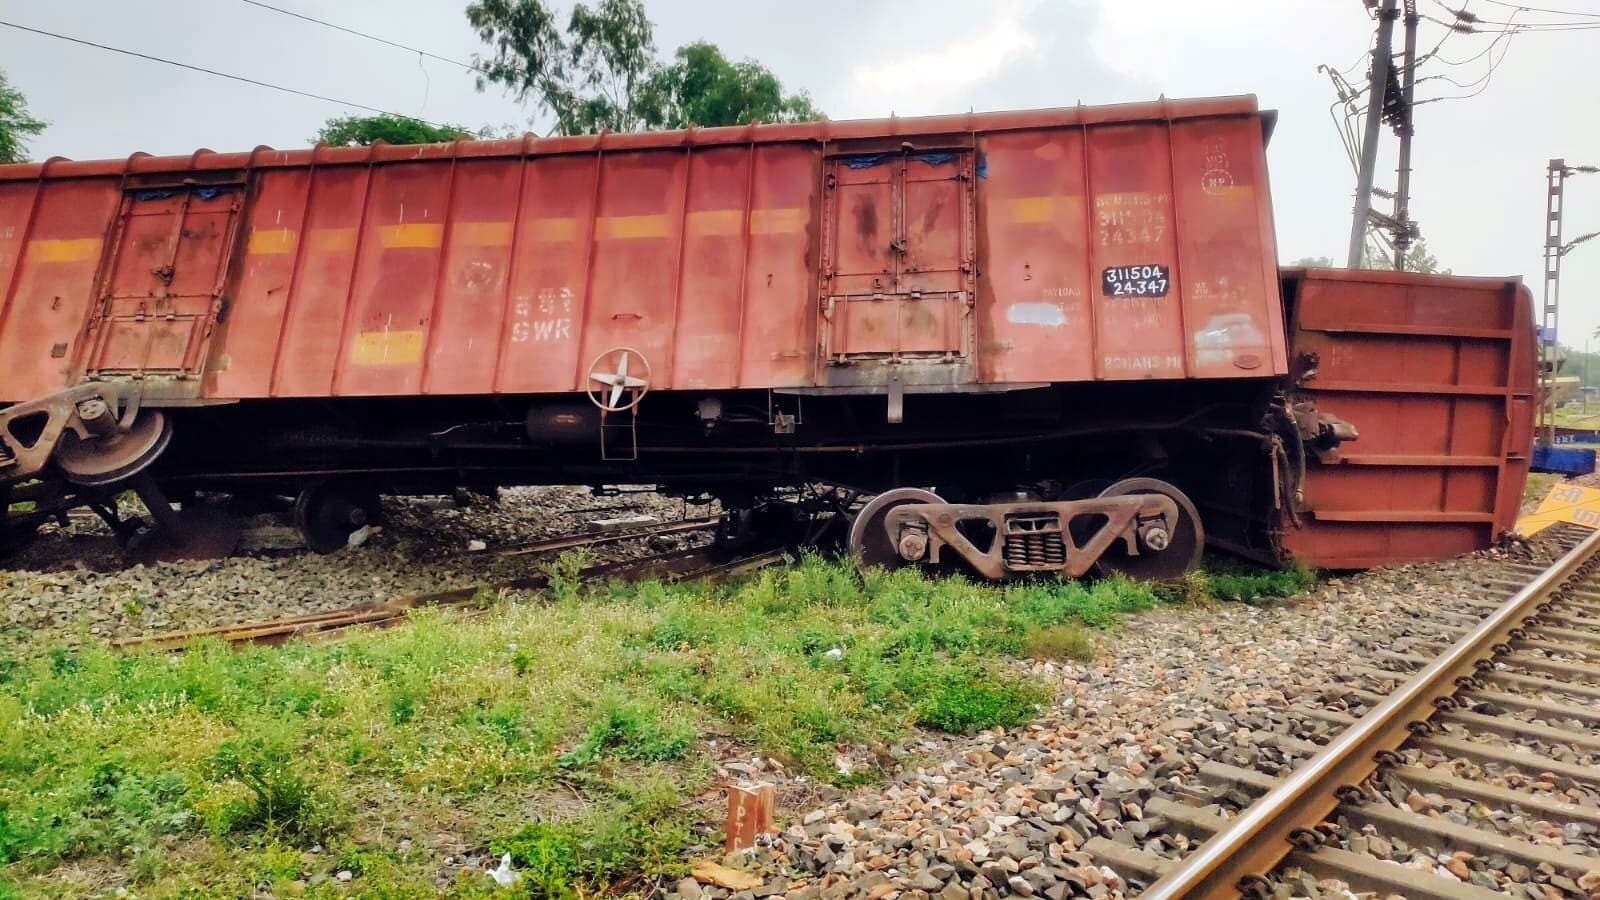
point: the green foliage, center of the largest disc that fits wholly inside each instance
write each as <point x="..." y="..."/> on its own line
<point x="640" y="832"/>
<point x="631" y="731"/>
<point x="359" y="131"/>
<point x="1064" y="641"/>
<point x="1314" y="262"/>
<point x="1418" y="259"/>
<point x="972" y="698"/>
<point x="702" y="87"/>
<point x="1253" y="587"/>
<point x="601" y="71"/>
<point x="281" y="796"/>
<point x="249" y="754"/>
<point x="16" y="124"/>
<point x="1227" y="579"/>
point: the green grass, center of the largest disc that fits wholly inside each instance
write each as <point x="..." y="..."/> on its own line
<point x="566" y="729"/>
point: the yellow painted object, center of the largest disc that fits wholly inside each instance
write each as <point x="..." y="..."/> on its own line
<point x="1564" y="503"/>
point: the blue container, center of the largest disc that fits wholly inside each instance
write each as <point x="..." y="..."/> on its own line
<point x="1562" y="460"/>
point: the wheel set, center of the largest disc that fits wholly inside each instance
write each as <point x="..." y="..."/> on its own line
<point x="1143" y="528"/>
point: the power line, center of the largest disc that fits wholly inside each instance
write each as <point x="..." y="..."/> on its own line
<point x="214" y="72"/>
<point x="362" y="34"/>
<point x="1553" y="12"/>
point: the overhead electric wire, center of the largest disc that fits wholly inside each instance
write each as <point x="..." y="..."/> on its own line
<point x="1553" y="12"/>
<point x="371" y="37"/>
<point x="213" y="72"/>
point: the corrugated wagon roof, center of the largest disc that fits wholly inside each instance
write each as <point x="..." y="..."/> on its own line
<point x="532" y="145"/>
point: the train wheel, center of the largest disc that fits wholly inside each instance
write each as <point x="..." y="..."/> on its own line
<point x="869" y="542"/>
<point x="328" y="512"/>
<point x="1163" y="555"/>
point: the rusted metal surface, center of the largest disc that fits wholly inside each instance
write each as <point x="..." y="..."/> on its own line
<point x="1120" y="242"/>
<point x="1253" y="843"/>
<point x="1031" y="537"/>
<point x="1437" y="375"/>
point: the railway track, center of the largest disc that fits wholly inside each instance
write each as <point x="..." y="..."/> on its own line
<point x="676" y="565"/>
<point x="1491" y="706"/>
<point x="589" y="539"/>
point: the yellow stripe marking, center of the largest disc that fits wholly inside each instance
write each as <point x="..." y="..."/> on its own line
<point x="1233" y="193"/>
<point x="715" y="222"/>
<point x="554" y="229"/>
<point x="271" y="241"/>
<point x="388" y="348"/>
<point x="1049" y="208"/>
<point x="419" y="234"/>
<point x="481" y="234"/>
<point x="332" y="240"/>
<point x="630" y="227"/>
<point x="721" y="222"/>
<point x="779" y="220"/>
<point x="63" y="250"/>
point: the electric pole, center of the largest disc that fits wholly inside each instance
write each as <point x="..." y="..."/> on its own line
<point x="1404" y="231"/>
<point x="1556" y="175"/>
<point x="1382" y="60"/>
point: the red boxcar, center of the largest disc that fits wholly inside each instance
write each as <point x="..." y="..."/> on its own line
<point x="1031" y="311"/>
<point x="994" y="246"/>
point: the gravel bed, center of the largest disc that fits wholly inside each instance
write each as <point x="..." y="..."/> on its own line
<point x="1010" y="813"/>
<point x="70" y="585"/>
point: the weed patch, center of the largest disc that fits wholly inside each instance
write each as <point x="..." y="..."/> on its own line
<point x="1064" y="641"/>
<point x="601" y="689"/>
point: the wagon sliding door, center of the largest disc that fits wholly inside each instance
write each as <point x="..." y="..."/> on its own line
<point x="161" y="288"/>
<point x="897" y="267"/>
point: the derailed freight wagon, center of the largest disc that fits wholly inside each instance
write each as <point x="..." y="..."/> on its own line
<point x="1037" y="341"/>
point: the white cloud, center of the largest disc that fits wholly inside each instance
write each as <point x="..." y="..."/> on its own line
<point x="925" y="78"/>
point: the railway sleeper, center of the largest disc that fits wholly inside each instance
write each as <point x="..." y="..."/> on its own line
<point x="1366" y="873"/>
<point x="1525" y="761"/>
<point x="1380" y="876"/>
<point x="1557" y="648"/>
<point x="1543" y="687"/>
<point x="1391" y="821"/>
<point x="1545" y="708"/>
<point x="1553" y="666"/>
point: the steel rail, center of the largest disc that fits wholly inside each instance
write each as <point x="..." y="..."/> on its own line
<point x="1258" y="839"/>
<point x="593" y="539"/>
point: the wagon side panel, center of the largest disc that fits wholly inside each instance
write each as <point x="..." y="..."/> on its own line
<point x="1229" y="278"/>
<point x="705" y="348"/>
<point x="638" y="235"/>
<point x="550" y="275"/>
<point x="319" y="295"/>
<point x="778" y="330"/>
<point x="1036" y="315"/>
<point x="397" y="267"/>
<point x="1430" y="372"/>
<point x="56" y="241"/>
<point x="469" y="306"/>
<point x="258" y="298"/>
<point x="1138" y="305"/>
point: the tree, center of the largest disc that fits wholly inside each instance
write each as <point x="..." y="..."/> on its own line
<point x="16" y="125"/>
<point x="601" y="71"/>
<point x="702" y="87"/>
<point x="359" y="131"/>
<point x="1418" y="259"/>
<point x="1313" y="262"/>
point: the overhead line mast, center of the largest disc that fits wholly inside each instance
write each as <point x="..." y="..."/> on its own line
<point x="1382" y="53"/>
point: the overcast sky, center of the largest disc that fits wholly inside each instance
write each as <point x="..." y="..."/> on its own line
<point x="1480" y="162"/>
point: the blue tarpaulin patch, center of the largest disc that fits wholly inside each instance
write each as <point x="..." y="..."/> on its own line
<point x="878" y="159"/>
<point x="205" y="193"/>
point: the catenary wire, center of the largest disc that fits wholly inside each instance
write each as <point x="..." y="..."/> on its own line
<point x="1553" y="12"/>
<point x="366" y="35"/>
<point x="213" y="72"/>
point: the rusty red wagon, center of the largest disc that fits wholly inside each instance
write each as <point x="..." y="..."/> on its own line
<point x="1039" y="341"/>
